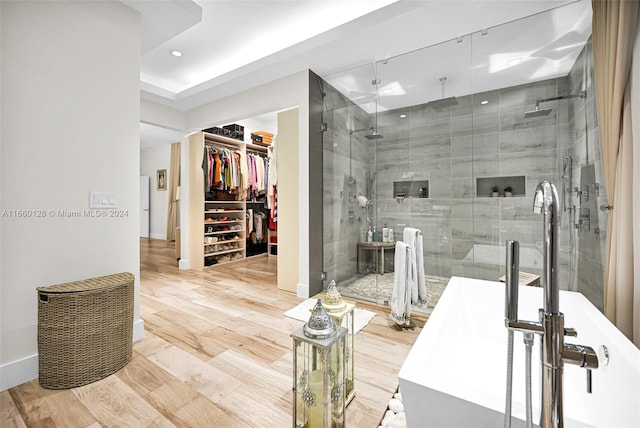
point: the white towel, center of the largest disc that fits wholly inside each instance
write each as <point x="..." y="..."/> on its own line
<point x="404" y="274"/>
<point x="413" y="238"/>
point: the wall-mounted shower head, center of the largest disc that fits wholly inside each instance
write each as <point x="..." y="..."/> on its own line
<point x="545" y="112"/>
<point x="373" y="136"/>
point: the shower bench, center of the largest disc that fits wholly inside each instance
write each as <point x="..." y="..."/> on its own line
<point x="378" y="251"/>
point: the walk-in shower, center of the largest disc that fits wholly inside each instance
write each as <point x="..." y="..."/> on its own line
<point x="496" y="132"/>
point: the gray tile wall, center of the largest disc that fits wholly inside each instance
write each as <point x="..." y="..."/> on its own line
<point x="452" y="147"/>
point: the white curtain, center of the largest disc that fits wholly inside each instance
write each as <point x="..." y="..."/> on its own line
<point x="615" y="32"/>
<point x="173" y="210"/>
<point x="635" y="214"/>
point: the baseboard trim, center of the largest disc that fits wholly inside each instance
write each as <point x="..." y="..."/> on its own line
<point x="26" y="369"/>
<point x="302" y="290"/>
<point x="183" y="264"/>
<point x="138" y="330"/>
<point x="162" y="236"/>
<point x="18" y="372"/>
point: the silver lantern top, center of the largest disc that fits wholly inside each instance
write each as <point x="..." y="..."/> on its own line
<point x="319" y="326"/>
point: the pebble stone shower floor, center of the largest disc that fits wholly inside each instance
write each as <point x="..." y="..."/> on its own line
<point x="378" y="288"/>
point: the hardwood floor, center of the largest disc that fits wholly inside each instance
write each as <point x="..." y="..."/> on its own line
<point x="216" y="353"/>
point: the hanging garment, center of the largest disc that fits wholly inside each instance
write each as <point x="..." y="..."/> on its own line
<point x="259" y="224"/>
<point x="250" y="176"/>
<point x="275" y="206"/>
<point x="266" y="178"/>
<point x="216" y="177"/>
<point x="413" y="238"/>
<point x="249" y="220"/>
<point x="272" y="173"/>
<point x="403" y="278"/>
<point x="244" y="172"/>
<point x="260" y="175"/>
<point x="205" y="169"/>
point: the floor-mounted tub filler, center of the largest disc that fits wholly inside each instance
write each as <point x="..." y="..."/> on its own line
<point x="452" y="375"/>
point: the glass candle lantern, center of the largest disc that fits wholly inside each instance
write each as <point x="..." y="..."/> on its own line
<point x="343" y="315"/>
<point x="319" y="355"/>
<point x="345" y="319"/>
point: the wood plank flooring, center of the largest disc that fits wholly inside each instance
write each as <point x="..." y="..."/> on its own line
<point x="216" y="353"/>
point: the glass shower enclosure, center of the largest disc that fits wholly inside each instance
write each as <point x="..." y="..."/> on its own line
<point x="452" y="140"/>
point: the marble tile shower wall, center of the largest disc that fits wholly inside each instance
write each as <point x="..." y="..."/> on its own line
<point x="586" y="266"/>
<point x="345" y="157"/>
<point x="451" y="148"/>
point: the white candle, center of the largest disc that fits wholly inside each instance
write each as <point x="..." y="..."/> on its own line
<point x="316" y="412"/>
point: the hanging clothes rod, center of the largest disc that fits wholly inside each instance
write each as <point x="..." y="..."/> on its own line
<point x="251" y="150"/>
<point x="257" y="152"/>
<point x="221" y="145"/>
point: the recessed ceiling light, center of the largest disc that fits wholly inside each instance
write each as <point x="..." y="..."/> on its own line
<point x="483" y="102"/>
<point x="403" y="116"/>
<point x="176" y="53"/>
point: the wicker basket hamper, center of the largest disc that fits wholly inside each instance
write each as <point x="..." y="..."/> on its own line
<point x="85" y="330"/>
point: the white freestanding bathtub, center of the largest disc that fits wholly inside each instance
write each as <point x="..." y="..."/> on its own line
<point x="455" y="374"/>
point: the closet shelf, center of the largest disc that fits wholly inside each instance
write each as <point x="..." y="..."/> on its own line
<point x="226" y="242"/>
<point x="222" y="232"/>
<point x="223" y="202"/>
<point x="225" y="211"/>
<point x="214" y="138"/>
<point x="217" y="253"/>
<point x="224" y="222"/>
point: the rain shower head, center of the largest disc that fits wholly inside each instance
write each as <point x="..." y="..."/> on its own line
<point x="443" y="102"/>
<point x="353" y="131"/>
<point x="373" y="136"/>
<point x="537" y="112"/>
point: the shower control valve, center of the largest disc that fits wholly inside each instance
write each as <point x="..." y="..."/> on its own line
<point x="584" y="220"/>
<point x="582" y="194"/>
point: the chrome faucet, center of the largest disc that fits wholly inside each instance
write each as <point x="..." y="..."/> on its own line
<point x="554" y="352"/>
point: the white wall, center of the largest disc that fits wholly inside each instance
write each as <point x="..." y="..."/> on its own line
<point x="252" y="125"/>
<point x="158" y="114"/>
<point x="288" y="243"/>
<point x="70" y="125"/>
<point x="152" y="160"/>
<point x="281" y="94"/>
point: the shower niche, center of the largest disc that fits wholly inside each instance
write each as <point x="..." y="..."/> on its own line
<point x="516" y="185"/>
<point x="411" y="189"/>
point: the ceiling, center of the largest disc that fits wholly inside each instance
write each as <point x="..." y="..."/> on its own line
<point x="232" y="46"/>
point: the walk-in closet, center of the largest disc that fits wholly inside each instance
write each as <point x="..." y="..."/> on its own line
<point x="232" y="195"/>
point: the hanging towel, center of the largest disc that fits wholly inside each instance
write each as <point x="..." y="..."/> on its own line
<point x="403" y="277"/>
<point x="413" y="238"/>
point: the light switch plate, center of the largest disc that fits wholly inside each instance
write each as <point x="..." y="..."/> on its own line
<point x="102" y="200"/>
